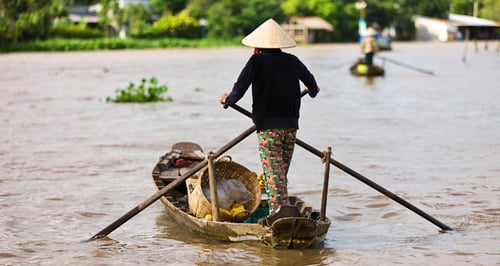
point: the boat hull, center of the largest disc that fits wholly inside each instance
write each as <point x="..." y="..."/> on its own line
<point x="287" y="232"/>
<point x="360" y="69"/>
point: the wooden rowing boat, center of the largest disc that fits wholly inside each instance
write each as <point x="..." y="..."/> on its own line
<point x="360" y="69"/>
<point x="297" y="226"/>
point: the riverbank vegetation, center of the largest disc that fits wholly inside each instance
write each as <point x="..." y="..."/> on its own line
<point x="114" y="43"/>
<point x="50" y="24"/>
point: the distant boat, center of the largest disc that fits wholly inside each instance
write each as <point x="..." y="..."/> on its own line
<point x="361" y="69"/>
<point x="384" y="43"/>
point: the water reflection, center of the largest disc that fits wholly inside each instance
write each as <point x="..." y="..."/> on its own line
<point x="210" y="251"/>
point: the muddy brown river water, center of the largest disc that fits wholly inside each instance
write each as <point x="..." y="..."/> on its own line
<point x="71" y="163"/>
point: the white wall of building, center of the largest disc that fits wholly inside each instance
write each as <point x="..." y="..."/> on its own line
<point x="429" y="29"/>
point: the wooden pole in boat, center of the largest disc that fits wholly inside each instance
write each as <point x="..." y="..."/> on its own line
<point x="350" y="62"/>
<point x="406" y="65"/>
<point x="361" y="178"/>
<point x="326" y="157"/>
<point x="141" y="206"/>
<point x="213" y="187"/>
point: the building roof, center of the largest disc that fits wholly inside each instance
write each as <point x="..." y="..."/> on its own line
<point x="314" y="23"/>
<point x="462" y="20"/>
<point x="124" y="3"/>
<point x="87" y="14"/>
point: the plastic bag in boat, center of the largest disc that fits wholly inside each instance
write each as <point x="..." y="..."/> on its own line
<point x="230" y="192"/>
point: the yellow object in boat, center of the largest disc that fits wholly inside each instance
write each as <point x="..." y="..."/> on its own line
<point x="208" y="217"/>
<point x="236" y="208"/>
<point x="225" y="211"/>
<point x="261" y="179"/>
<point x="362" y="68"/>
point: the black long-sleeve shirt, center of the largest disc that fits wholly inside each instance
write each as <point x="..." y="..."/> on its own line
<point x="275" y="78"/>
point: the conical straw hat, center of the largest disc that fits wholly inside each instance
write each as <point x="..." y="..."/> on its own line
<point x="370" y="31"/>
<point x="269" y="35"/>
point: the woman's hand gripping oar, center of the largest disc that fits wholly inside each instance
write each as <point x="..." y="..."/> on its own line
<point x="141" y="206"/>
<point x="359" y="176"/>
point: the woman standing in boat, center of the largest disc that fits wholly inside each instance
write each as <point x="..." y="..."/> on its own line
<point x="369" y="46"/>
<point x="275" y="78"/>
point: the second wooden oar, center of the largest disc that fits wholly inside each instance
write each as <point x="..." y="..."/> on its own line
<point x="406" y="65"/>
<point x="141" y="206"/>
<point x="361" y="178"/>
<point x="375" y="186"/>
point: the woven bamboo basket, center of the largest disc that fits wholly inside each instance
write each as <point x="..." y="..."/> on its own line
<point x="200" y="206"/>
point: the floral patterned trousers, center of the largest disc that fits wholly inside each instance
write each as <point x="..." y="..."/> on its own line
<point x="276" y="150"/>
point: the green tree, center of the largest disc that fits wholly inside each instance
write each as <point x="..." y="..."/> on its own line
<point x="490" y="9"/>
<point x="345" y="23"/>
<point x="464" y="7"/>
<point x="429" y="8"/>
<point x="255" y="12"/>
<point x="109" y="17"/>
<point x="180" y="25"/>
<point x="28" y="20"/>
<point x="220" y="20"/>
<point x="136" y="17"/>
<point x="198" y="8"/>
<point x="160" y="6"/>
<point x="229" y="18"/>
<point x="321" y="8"/>
<point x="487" y="9"/>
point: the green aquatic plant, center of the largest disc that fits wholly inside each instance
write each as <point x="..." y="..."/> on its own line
<point x="147" y="91"/>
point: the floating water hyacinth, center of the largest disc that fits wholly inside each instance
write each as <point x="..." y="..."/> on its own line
<point x="147" y="91"/>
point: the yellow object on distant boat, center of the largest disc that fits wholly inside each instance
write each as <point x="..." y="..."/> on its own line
<point x="362" y="69"/>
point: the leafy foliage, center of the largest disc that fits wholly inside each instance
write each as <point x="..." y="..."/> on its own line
<point x="437" y="9"/>
<point x="229" y="18"/>
<point x="136" y="17"/>
<point x="109" y="13"/>
<point x="159" y="6"/>
<point x="66" y="29"/>
<point x="27" y="20"/>
<point x="180" y="26"/>
<point x="259" y="11"/>
<point x="147" y="91"/>
<point x="222" y="18"/>
<point x="58" y="44"/>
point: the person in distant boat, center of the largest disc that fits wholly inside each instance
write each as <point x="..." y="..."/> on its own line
<point x="275" y="78"/>
<point x="369" y="46"/>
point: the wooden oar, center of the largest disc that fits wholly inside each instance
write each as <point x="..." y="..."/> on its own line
<point x="141" y="206"/>
<point x="350" y="62"/>
<point x="406" y="65"/>
<point x="361" y="178"/>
